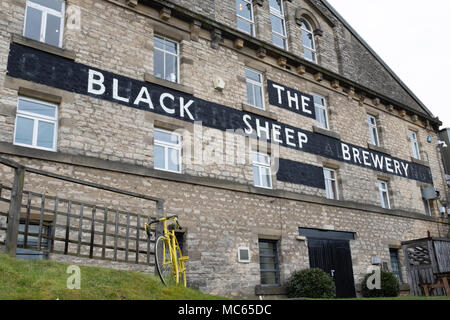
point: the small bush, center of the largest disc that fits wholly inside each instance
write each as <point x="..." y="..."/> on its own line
<point x="389" y="286"/>
<point x="311" y="283"/>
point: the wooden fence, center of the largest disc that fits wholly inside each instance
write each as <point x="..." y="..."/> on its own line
<point x="49" y="224"/>
<point x="424" y="258"/>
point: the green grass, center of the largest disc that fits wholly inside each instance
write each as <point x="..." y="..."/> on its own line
<point x="47" y="280"/>
<point x="394" y="299"/>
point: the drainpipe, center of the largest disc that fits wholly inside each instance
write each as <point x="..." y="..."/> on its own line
<point x="443" y="171"/>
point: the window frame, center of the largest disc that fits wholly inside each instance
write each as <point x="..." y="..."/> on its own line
<point x="165" y="52"/>
<point x="383" y="187"/>
<point x="414" y="139"/>
<point x="427" y="207"/>
<point x="323" y="107"/>
<point x="313" y="50"/>
<point x="36" y="118"/>
<point x="333" y="181"/>
<point x="260" y="165"/>
<point x="398" y="269"/>
<point x="166" y="146"/>
<point x="252" y="22"/>
<point x="280" y="15"/>
<point x="45" y="11"/>
<point x="276" y="262"/>
<point x="31" y="254"/>
<point x="373" y="128"/>
<point x="258" y="84"/>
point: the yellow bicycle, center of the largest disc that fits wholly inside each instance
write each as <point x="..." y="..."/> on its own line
<point x="170" y="262"/>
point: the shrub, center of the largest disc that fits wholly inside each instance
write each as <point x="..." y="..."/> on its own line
<point x="389" y="286"/>
<point x="311" y="283"/>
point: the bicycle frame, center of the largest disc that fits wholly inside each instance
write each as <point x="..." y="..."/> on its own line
<point x="175" y="258"/>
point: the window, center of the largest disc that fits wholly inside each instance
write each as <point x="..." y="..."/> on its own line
<point x="414" y="144"/>
<point x="36" y="124"/>
<point x="309" y="47"/>
<point x="244" y="11"/>
<point x="261" y="170"/>
<point x="331" y="183"/>
<point x="373" y="130"/>
<point x="167" y="151"/>
<point x="166" y="59"/>
<point x="395" y="264"/>
<point x="427" y="206"/>
<point x="29" y="253"/>
<point x="268" y="262"/>
<point x="384" y="194"/>
<point x="255" y="92"/>
<point x="44" y="21"/>
<point x="278" y="24"/>
<point x="321" y="112"/>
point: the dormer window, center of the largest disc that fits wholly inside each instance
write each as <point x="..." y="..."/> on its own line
<point x="309" y="46"/>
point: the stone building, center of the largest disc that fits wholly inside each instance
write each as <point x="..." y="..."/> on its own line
<point x="276" y="134"/>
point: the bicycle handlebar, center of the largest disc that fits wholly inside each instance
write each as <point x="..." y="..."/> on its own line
<point x="172" y="217"/>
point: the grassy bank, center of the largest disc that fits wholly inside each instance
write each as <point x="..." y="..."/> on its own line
<point x="47" y="280"/>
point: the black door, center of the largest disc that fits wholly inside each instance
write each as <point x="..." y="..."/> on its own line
<point x="334" y="257"/>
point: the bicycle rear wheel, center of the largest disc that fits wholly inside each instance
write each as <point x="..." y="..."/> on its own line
<point x="167" y="270"/>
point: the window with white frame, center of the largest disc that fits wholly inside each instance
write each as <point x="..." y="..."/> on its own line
<point x="167" y="151"/>
<point x="414" y="144"/>
<point x="373" y="130"/>
<point x="36" y="124"/>
<point x="44" y="21"/>
<point x="331" y="186"/>
<point x="320" y="106"/>
<point x="309" y="46"/>
<point x="278" y="23"/>
<point x="244" y="12"/>
<point x="384" y="194"/>
<point x="262" y="175"/>
<point x="166" y="59"/>
<point x="255" y="91"/>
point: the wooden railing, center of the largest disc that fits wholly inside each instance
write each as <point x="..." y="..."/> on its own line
<point x="50" y="224"/>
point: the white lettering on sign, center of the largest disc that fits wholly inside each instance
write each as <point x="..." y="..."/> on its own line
<point x="266" y="130"/>
<point x="167" y="101"/>
<point x="370" y="159"/>
<point x="289" y="98"/>
<point x="96" y="79"/>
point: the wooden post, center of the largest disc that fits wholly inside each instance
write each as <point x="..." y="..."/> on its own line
<point x="159" y="226"/>
<point x="14" y="211"/>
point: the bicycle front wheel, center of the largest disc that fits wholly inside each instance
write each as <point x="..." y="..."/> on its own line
<point x="167" y="270"/>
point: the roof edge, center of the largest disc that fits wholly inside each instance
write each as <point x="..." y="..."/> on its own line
<point x="376" y="56"/>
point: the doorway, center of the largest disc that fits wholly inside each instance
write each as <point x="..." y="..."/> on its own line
<point x="330" y="251"/>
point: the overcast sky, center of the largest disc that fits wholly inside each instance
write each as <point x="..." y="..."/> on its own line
<point x="413" y="38"/>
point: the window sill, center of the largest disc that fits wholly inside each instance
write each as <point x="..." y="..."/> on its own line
<point x="168" y="84"/>
<point x="270" y="290"/>
<point x="263" y="113"/>
<point x="421" y="162"/>
<point x="378" y="149"/>
<point x="325" y="132"/>
<point x="68" y="54"/>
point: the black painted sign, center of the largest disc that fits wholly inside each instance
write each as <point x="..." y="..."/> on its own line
<point x="291" y="99"/>
<point x="47" y="69"/>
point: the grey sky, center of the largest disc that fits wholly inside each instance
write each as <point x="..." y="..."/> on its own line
<point x="412" y="37"/>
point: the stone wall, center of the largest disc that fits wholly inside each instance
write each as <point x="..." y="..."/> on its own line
<point x="227" y="212"/>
